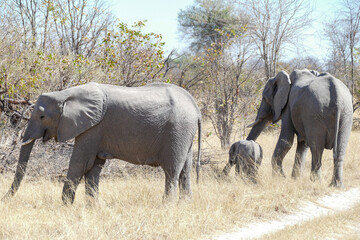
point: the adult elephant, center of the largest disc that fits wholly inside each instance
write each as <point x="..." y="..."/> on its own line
<point x="315" y="107"/>
<point x="150" y="125"/>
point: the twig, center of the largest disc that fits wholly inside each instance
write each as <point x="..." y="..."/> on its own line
<point x="13" y="101"/>
<point x="21" y="116"/>
<point x="356" y="106"/>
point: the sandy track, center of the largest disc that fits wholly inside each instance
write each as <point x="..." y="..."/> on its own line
<point x="326" y="205"/>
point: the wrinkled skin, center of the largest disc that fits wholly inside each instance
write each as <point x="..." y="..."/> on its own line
<point x="315" y="107"/>
<point x="247" y="156"/>
<point x="151" y="125"/>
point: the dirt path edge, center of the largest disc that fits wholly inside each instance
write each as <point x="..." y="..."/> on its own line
<point x="329" y="204"/>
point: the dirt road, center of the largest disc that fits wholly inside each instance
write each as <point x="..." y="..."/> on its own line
<point x="307" y="211"/>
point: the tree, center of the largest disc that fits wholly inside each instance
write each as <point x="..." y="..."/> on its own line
<point x="185" y="70"/>
<point x="308" y="62"/>
<point x="221" y="62"/>
<point x="338" y="63"/>
<point x="352" y="16"/>
<point x="80" y="24"/>
<point x="343" y="33"/>
<point x="207" y="21"/>
<point x="132" y="57"/>
<point x="28" y="11"/>
<point x="230" y="85"/>
<point x="274" y="24"/>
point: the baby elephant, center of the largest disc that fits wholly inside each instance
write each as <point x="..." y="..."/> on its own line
<point x="247" y="155"/>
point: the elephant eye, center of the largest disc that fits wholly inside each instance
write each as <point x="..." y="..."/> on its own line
<point x="42" y="117"/>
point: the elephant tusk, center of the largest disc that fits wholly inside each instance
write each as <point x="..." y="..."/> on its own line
<point x="27" y="142"/>
<point x="254" y="123"/>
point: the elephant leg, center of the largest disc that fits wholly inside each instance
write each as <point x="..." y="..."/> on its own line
<point x="172" y="172"/>
<point x="184" y="179"/>
<point x="92" y="179"/>
<point x="339" y="152"/>
<point x="316" y="152"/>
<point x="171" y="182"/>
<point x="337" y="178"/>
<point x="81" y="161"/>
<point x="75" y="173"/>
<point x="252" y="173"/>
<point x="300" y="158"/>
<point x="282" y="148"/>
<point x="68" y="192"/>
<point x="237" y="165"/>
<point x="284" y="143"/>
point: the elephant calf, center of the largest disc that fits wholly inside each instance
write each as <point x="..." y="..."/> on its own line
<point x="247" y="156"/>
<point x="150" y="125"/>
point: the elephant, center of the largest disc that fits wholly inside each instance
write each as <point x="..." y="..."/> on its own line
<point x="315" y="107"/>
<point x="151" y="125"/>
<point x="247" y="156"/>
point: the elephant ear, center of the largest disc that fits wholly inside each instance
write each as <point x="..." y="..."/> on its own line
<point x="281" y="91"/>
<point x="84" y="107"/>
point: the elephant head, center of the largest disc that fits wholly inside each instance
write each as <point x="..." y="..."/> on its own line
<point x="60" y="115"/>
<point x="233" y="159"/>
<point x="274" y="100"/>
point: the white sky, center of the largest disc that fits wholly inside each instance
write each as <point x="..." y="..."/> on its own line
<point x="161" y="16"/>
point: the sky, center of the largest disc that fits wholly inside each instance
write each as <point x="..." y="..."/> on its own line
<point x="161" y="16"/>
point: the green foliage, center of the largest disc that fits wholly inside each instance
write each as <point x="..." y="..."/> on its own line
<point x="130" y="56"/>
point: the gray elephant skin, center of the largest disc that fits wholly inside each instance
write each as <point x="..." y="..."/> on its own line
<point x="315" y="107"/>
<point x="150" y="125"/>
<point x="247" y="156"/>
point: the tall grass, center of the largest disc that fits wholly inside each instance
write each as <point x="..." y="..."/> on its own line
<point x="132" y="208"/>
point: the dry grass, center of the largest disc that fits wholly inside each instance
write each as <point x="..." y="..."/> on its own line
<point x="131" y="207"/>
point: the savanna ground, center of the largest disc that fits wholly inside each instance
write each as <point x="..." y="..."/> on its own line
<point x="130" y="201"/>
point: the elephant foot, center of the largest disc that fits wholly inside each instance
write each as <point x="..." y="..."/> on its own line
<point x="169" y="196"/>
<point x="91" y="201"/>
<point x="336" y="184"/>
<point x="7" y="196"/>
<point x="185" y="197"/>
<point x="278" y="173"/>
<point x="67" y="200"/>
<point x="296" y="173"/>
<point x="68" y="194"/>
<point x="168" y="199"/>
<point x="248" y="179"/>
<point x="185" y="192"/>
<point x="253" y="180"/>
<point x="314" y="177"/>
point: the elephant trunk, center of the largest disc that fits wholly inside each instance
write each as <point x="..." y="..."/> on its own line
<point x="226" y="169"/>
<point x="20" y="169"/>
<point x="257" y="129"/>
<point x="264" y="116"/>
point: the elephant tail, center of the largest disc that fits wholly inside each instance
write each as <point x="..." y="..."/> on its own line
<point x="199" y="151"/>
